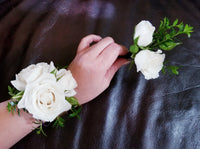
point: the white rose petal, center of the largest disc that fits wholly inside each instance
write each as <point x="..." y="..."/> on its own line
<point x="19" y="83"/>
<point x="149" y="63"/>
<point x="44" y="98"/>
<point x="144" y="30"/>
<point x="46" y="67"/>
<point x="30" y="74"/>
<point x="67" y="82"/>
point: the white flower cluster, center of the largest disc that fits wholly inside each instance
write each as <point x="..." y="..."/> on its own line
<point x="44" y="91"/>
<point x="148" y="62"/>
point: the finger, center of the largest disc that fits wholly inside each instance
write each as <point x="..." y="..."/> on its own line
<point x="113" y="69"/>
<point x="86" y="41"/>
<point x="111" y="53"/>
<point x="99" y="47"/>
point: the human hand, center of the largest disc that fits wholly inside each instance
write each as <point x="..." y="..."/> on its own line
<point x="94" y="66"/>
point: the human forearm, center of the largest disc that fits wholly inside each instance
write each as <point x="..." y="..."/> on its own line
<point x="13" y="127"/>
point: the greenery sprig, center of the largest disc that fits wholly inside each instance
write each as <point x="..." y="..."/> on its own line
<point x="76" y="108"/>
<point x="59" y="122"/>
<point x="165" y="37"/>
<point x="15" y="98"/>
<point x="171" y="69"/>
<point x="39" y="130"/>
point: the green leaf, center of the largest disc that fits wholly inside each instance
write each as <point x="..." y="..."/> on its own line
<point x="169" y="45"/>
<point x="75" y="112"/>
<point x="188" y="30"/>
<point x="181" y="27"/>
<point x="136" y="40"/>
<point x="167" y="37"/>
<point x="175" y="22"/>
<point x="161" y="24"/>
<point x="14" y="93"/>
<point x="72" y="100"/>
<point x="172" y="33"/>
<point x="54" y="72"/>
<point x="9" y="89"/>
<point x="12" y="107"/>
<point x="59" y="78"/>
<point x="59" y="122"/>
<point x="170" y="69"/>
<point x="173" y="69"/>
<point x="9" y="107"/>
<point x="166" y="21"/>
<point x="18" y="96"/>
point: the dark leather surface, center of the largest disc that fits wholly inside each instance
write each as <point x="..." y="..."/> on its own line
<point x="132" y="113"/>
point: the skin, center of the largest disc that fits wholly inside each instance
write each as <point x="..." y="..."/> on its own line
<point x="93" y="68"/>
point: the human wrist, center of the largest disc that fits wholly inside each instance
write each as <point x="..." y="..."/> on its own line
<point x="24" y="116"/>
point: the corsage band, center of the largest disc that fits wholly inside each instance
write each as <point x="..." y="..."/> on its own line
<point x="43" y="91"/>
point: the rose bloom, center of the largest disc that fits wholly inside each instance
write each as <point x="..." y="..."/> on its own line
<point x="149" y="63"/>
<point x="44" y="98"/>
<point x="144" y="30"/>
<point x="30" y="74"/>
<point x="67" y="82"/>
<point x="45" y="92"/>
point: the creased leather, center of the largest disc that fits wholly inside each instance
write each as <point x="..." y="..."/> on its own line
<point x="132" y="113"/>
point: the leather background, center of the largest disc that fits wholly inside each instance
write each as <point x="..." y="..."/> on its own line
<point x="132" y="113"/>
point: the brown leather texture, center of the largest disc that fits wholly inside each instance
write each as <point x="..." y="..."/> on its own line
<point x="132" y="113"/>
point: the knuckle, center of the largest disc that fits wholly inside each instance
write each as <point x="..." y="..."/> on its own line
<point x="88" y="36"/>
<point x="115" y="47"/>
<point x="109" y="39"/>
<point x="83" y="39"/>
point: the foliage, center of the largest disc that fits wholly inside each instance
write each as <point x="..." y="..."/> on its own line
<point x="15" y="98"/>
<point x="165" y="37"/>
<point x="170" y="69"/>
<point x="76" y="109"/>
<point x="39" y="130"/>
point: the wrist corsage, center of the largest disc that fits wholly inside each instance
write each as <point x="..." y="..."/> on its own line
<point x="149" y="45"/>
<point x="45" y="92"/>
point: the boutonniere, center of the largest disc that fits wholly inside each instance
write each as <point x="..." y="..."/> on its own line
<point x="150" y="45"/>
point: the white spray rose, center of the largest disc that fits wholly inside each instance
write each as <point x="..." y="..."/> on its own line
<point x="149" y="63"/>
<point x="144" y="30"/>
<point x="45" y="89"/>
<point x="44" y="98"/>
<point x="67" y="82"/>
<point x="30" y="74"/>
